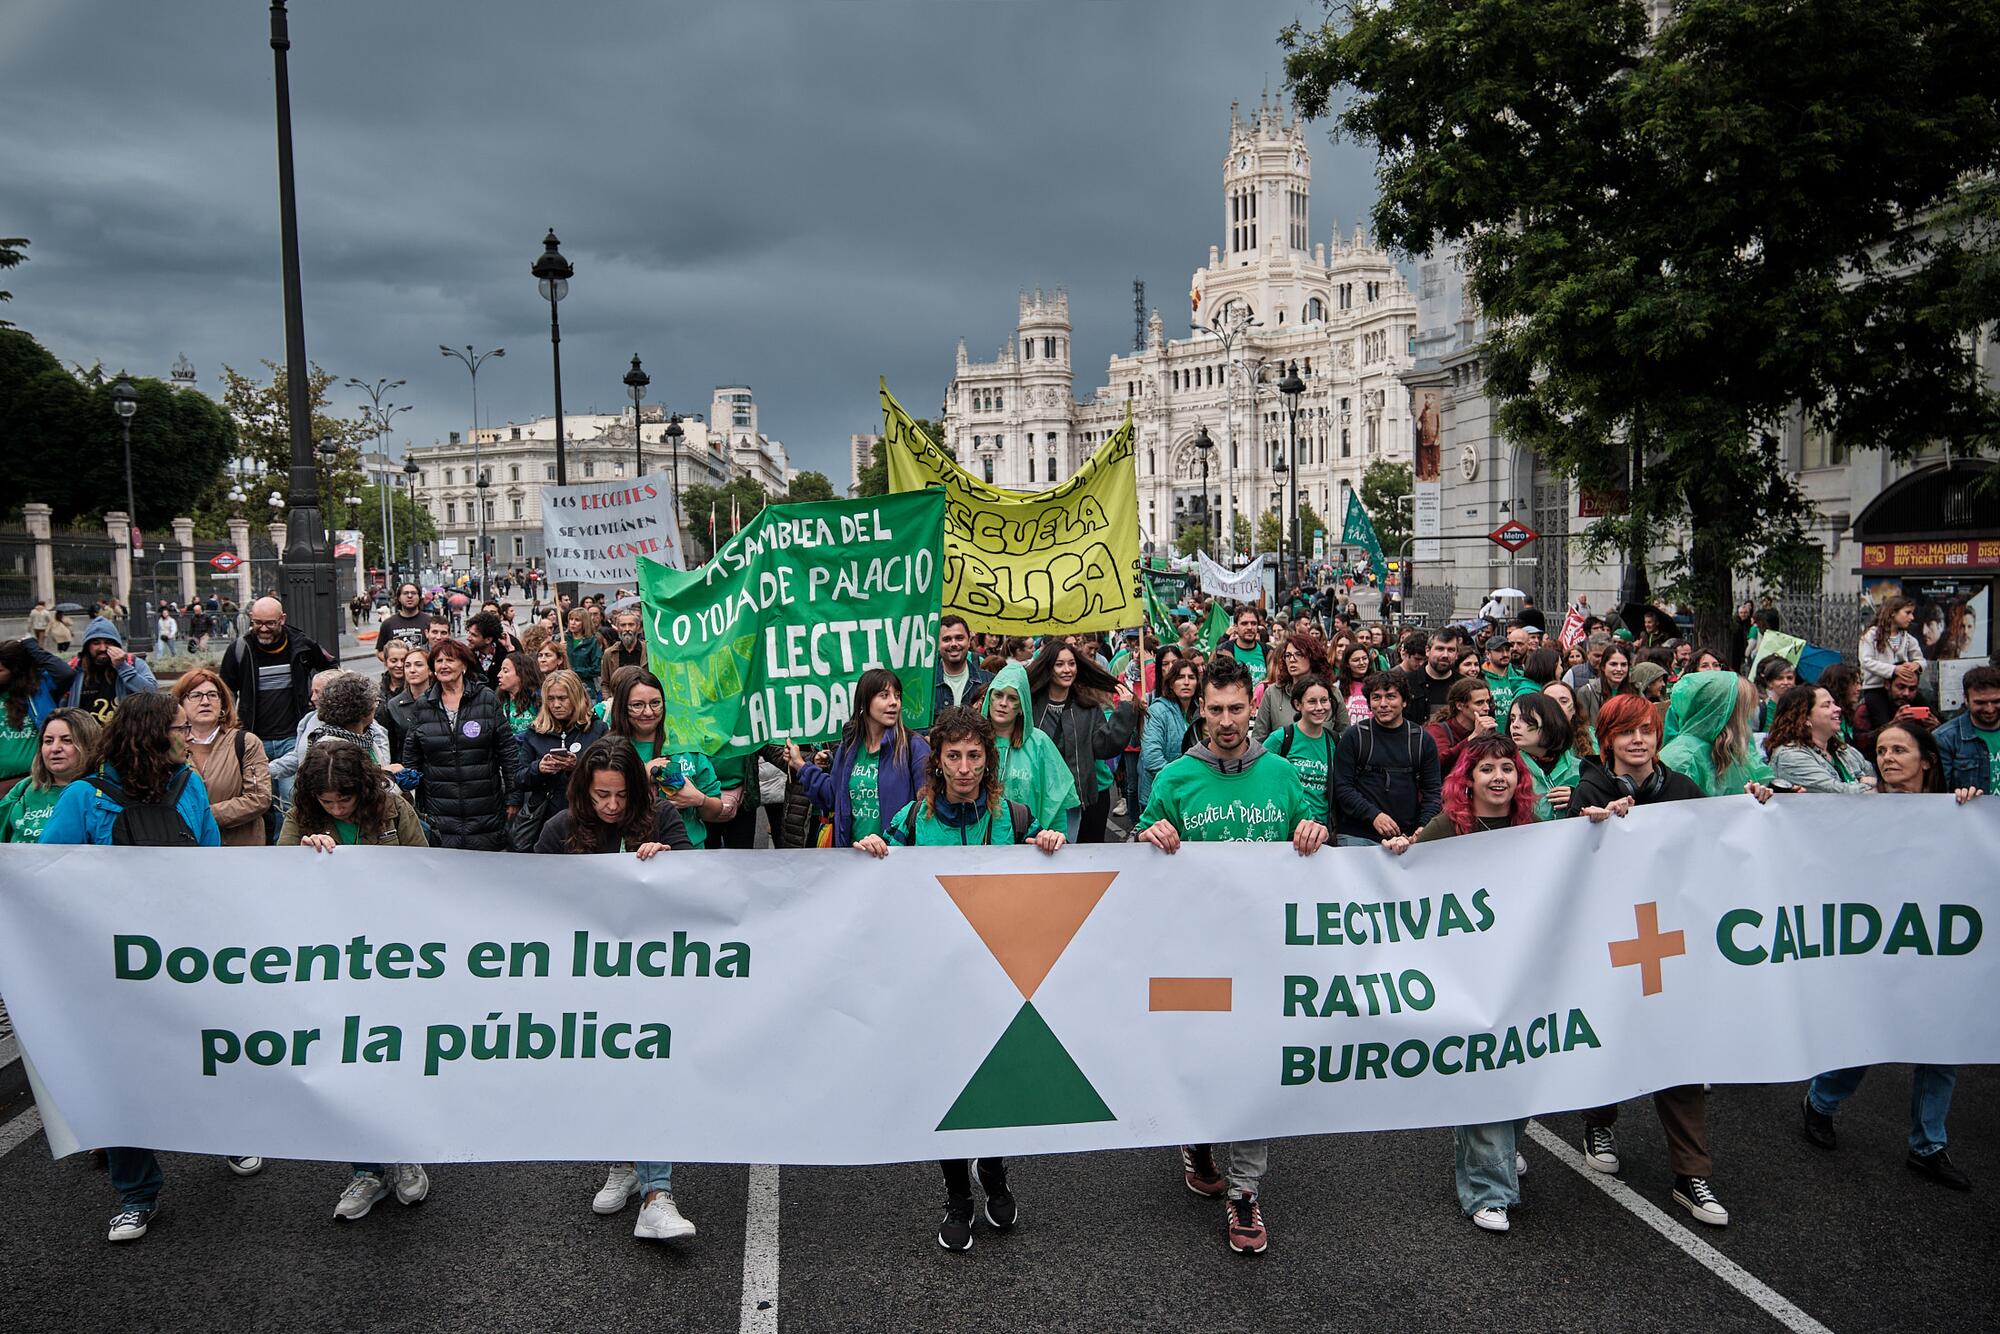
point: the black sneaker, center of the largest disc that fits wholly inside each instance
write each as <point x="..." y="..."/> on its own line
<point x="1938" y="1166"/>
<point x="1817" y="1125"/>
<point x="955" y="1232"/>
<point x="1694" y="1195"/>
<point x="1001" y="1211"/>
<point x="1600" y="1149"/>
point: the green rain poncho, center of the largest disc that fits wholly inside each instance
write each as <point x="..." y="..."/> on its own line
<point x="1697" y="712"/>
<point x="1035" y="773"/>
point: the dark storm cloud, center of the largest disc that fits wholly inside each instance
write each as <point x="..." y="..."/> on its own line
<point x="797" y="196"/>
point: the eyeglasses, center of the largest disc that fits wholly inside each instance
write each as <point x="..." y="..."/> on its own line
<point x="256" y="624"/>
<point x="645" y="706"/>
<point x="185" y="729"/>
<point x="202" y="696"/>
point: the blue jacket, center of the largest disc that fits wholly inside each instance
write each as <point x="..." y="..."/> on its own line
<point x="896" y="784"/>
<point x="133" y="675"/>
<point x="52" y="678"/>
<point x="1967" y="762"/>
<point x="85" y="815"/>
<point x="1159" y="743"/>
<point x="976" y="681"/>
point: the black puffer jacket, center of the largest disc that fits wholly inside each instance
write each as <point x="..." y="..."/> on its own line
<point x="470" y="768"/>
<point x="535" y="745"/>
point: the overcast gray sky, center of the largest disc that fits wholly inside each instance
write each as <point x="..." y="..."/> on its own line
<point x="795" y="196"/>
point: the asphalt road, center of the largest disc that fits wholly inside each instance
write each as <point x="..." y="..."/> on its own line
<point x="1365" y="1231"/>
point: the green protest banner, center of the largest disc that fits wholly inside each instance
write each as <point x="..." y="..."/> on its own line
<point x="765" y="642"/>
<point x="1359" y="532"/>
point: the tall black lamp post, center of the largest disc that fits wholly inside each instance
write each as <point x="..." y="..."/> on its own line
<point x="125" y="402"/>
<point x="1204" y="445"/>
<point x="674" y="437"/>
<point x="309" y="598"/>
<point x="552" y="274"/>
<point x="1292" y="387"/>
<point x="636" y="381"/>
<point x="410" y="471"/>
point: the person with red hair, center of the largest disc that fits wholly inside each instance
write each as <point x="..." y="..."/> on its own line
<point x="1630" y="774"/>
<point x="1488" y="788"/>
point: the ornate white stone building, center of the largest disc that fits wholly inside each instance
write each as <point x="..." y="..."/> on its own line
<point x="519" y="458"/>
<point x="1268" y="296"/>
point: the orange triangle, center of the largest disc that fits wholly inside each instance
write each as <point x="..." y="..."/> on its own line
<point x="1027" y="920"/>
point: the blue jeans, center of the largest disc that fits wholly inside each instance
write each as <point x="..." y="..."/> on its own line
<point x="281" y="788"/>
<point x="1930" y="1099"/>
<point x="1074" y="824"/>
<point x="655" y="1176"/>
<point x="1485" y="1165"/>
<point x="135" y="1175"/>
<point x="1355" y="841"/>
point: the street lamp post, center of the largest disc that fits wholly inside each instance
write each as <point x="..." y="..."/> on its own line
<point x="636" y="381"/>
<point x="473" y="361"/>
<point x="1204" y="445"/>
<point x="379" y="418"/>
<point x="552" y="274"/>
<point x="1292" y="387"/>
<point x="125" y="402"/>
<point x="674" y="437"/>
<point x="410" y="471"/>
<point x="1230" y="324"/>
<point x="308" y="561"/>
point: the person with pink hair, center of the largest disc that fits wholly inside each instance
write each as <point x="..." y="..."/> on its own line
<point x="1488" y="788"/>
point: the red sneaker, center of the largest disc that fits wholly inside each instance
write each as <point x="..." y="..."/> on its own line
<point x="1198" y="1170"/>
<point x="1246" y="1225"/>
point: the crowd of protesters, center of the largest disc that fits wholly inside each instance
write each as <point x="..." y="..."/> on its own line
<point x="1304" y="726"/>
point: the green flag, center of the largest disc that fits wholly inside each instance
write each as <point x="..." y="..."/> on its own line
<point x="1358" y="532"/>
<point x="1213" y="627"/>
<point x="765" y="642"/>
<point x="1158" y="618"/>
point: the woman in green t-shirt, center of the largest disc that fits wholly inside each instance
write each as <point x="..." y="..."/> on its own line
<point x="519" y="685"/>
<point x="963" y="803"/>
<point x="65" y="750"/>
<point x="686" y="779"/>
<point x="1307" y="742"/>
<point x="341" y="798"/>
<point x="1541" y="729"/>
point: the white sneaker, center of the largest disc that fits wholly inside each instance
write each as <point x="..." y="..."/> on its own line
<point x="245" y="1167"/>
<point x="619" y="1187"/>
<point x="359" y="1197"/>
<point x="1520" y="1165"/>
<point x="659" y="1220"/>
<point x="413" y="1184"/>
<point x="1491" y="1219"/>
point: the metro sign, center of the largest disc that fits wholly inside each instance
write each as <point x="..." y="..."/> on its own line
<point x="1512" y="536"/>
<point x="225" y="561"/>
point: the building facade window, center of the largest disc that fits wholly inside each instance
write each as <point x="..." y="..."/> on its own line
<point x="451" y="512"/>
<point x="988" y="461"/>
<point x="589" y="468"/>
<point x="514" y="508"/>
<point x="513" y="472"/>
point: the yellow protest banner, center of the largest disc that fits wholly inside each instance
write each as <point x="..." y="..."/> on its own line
<point x="1030" y="562"/>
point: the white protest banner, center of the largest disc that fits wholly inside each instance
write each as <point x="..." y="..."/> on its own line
<point x="427" y="1006"/>
<point x="1244" y="585"/>
<point x="594" y="533"/>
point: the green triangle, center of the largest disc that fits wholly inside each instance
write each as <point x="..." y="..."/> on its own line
<point x="1026" y="1080"/>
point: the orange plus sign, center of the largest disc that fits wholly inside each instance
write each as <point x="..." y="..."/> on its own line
<point x="1648" y="948"/>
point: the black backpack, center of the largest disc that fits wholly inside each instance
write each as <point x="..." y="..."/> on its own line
<point x="149" y="824"/>
<point x="1019" y="816"/>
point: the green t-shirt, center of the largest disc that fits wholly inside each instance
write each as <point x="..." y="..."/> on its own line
<point x="927" y="831"/>
<point x="348" y="832"/>
<point x="518" y="716"/>
<point x="17" y="745"/>
<point x="1505" y="690"/>
<point x="1314" y="761"/>
<point x="864" y="794"/>
<point x="1263" y="804"/>
<point x="25" y="810"/>
<point x="691" y="766"/>
<point x="1252" y="658"/>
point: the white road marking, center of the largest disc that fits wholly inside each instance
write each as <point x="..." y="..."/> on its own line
<point x="18" y="1131"/>
<point x="1656" y="1218"/>
<point x="760" y="1252"/>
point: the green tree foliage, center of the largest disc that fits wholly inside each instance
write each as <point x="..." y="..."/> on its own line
<point x="1191" y="538"/>
<point x="701" y="501"/>
<point x="367" y="517"/>
<point x="1240" y="531"/>
<point x="66" y="449"/>
<point x="12" y="253"/>
<point x="1679" y="240"/>
<point x="875" y="477"/>
<point x="1385" y="488"/>
<point x="810" y="486"/>
<point x="1270" y="531"/>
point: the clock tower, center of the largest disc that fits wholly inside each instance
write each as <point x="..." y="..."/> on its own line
<point x="1266" y="183"/>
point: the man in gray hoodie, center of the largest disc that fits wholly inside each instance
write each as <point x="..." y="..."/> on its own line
<point x="105" y="672"/>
